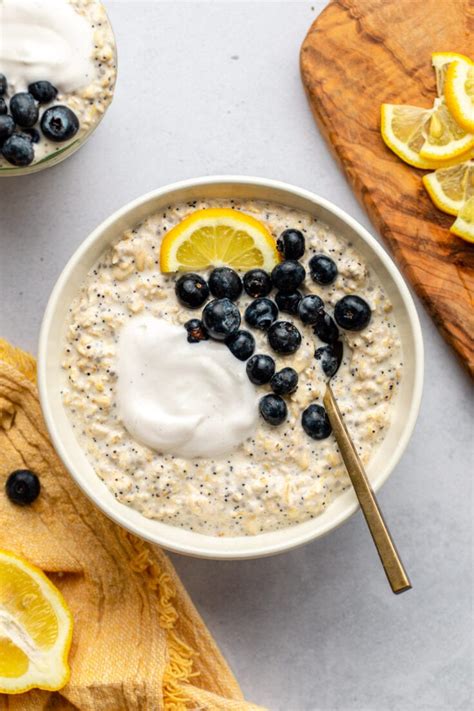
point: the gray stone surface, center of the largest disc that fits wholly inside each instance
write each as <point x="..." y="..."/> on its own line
<point x="214" y="87"/>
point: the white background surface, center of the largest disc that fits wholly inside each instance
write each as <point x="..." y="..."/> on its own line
<point x="207" y="88"/>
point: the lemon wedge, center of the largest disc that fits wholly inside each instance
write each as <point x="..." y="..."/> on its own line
<point x="449" y="188"/>
<point x="217" y="237"/>
<point x="405" y="129"/>
<point x="464" y="224"/>
<point x="459" y="93"/>
<point x="35" y="629"/>
<point x="445" y="139"/>
<point x="441" y="62"/>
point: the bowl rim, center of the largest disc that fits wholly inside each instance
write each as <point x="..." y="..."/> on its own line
<point x="117" y="511"/>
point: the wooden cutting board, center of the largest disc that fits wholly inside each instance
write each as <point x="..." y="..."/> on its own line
<point x="357" y="55"/>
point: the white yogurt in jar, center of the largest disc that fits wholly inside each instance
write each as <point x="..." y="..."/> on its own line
<point x="186" y="399"/>
<point x="45" y="39"/>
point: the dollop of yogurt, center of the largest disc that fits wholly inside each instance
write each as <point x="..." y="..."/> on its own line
<point x="45" y="39"/>
<point x="186" y="399"/>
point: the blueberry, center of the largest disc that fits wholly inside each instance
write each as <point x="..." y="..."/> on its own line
<point x="3" y="107"/>
<point x="330" y="357"/>
<point x="323" y="269"/>
<point x="225" y="283"/>
<point x="257" y="282"/>
<point x="352" y="313"/>
<point x="7" y="126"/>
<point x="287" y="276"/>
<point x="43" y="91"/>
<point x="316" y="422"/>
<point x="291" y="244"/>
<point x="260" y="368"/>
<point x="59" y="123"/>
<point x="284" y="337"/>
<point x="288" y="302"/>
<point x="241" y="344"/>
<point x="196" y="331"/>
<point x="261" y="313"/>
<point x="325" y="328"/>
<point x="221" y="318"/>
<point x="191" y="290"/>
<point x="32" y="133"/>
<point x="284" y="382"/>
<point x="309" y="308"/>
<point x="24" y="109"/>
<point x="3" y="84"/>
<point x="273" y="409"/>
<point x="22" y="487"/>
<point x="18" y="150"/>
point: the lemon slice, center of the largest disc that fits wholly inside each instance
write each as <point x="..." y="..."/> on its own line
<point x="404" y="129"/>
<point x="459" y="93"/>
<point x="449" y="188"/>
<point x="445" y="139"/>
<point x="218" y="237"/>
<point x="35" y="629"/>
<point x="464" y="224"/>
<point x="441" y="62"/>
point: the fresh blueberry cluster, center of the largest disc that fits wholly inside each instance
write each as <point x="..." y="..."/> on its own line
<point x="221" y="320"/>
<point x="18" y="119"/>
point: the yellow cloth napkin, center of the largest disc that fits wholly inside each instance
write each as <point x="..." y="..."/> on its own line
<point x="138" y="642"/>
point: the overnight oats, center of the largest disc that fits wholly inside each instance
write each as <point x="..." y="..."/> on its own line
<point x="196" y="357"/>
<point x="57" y="77"/>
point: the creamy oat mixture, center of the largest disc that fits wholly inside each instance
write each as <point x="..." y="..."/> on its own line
<point x="81" y="65"/>
<point x="277" y="477"/>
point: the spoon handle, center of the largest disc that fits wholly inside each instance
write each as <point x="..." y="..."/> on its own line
<point x="389" y="557"/>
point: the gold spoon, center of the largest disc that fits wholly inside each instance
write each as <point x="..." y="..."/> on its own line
<point x="391" y="562"/>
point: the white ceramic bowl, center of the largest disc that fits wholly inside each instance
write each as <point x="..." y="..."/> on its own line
<point x="51" y="376"/>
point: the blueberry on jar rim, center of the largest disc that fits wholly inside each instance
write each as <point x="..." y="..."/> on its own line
<point x="196" y="331"/>
<point x="288" y="302"/>
<point x="284" y="382"/>
<point x="221" y="318"/>
<point x="225" y="283"/>
<point x="257" y="282"/>
<point x="323" y="269"/>
<point x="273" y="409"/>
<point x="330" y="357"/>
<point x="325" y="328"/>
<point x="32" y="133"/>
<point x="18" y="150"/>
<point x="291" y="244"/>
<point x="352" y="313"/>
<point x="59" y="123"/>
<point x="288" y="276"/>
<point x="24" y="109"/>
<point x="241" y="344"/>
<point x="261" y="313"/>
<point x="191" y="290"/>
<point x="3" y="84"/>
<point x="7" y="126"/>
<point x="316" y="422"/>
<point x="22" y="487"/>
<point x="43" y="91"/>
<point x="284" y="337"/>
<point x="309" y="308"/>
<point x="260" y="369"/>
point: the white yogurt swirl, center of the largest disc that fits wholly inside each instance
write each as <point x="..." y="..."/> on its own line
<point x="187" y="399"/>
<point x="45" y="39"/>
